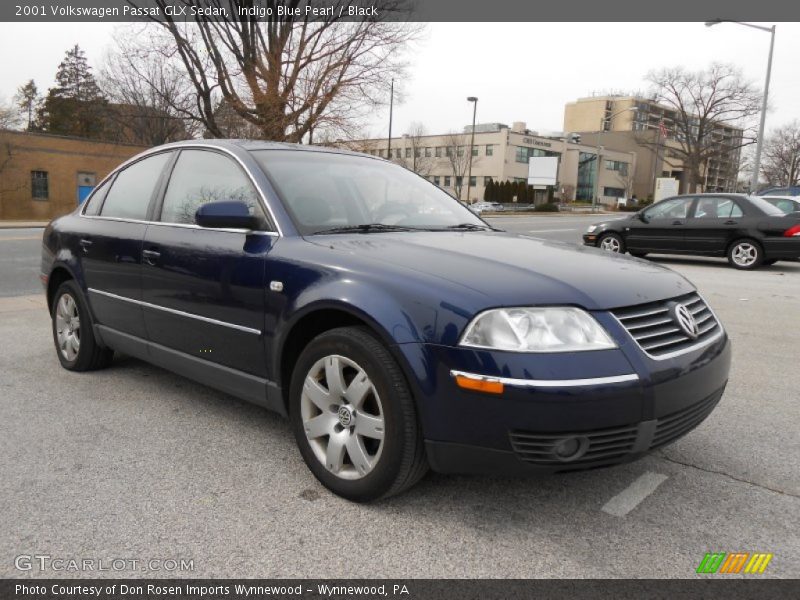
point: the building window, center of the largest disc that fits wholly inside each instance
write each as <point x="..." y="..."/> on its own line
<point x="461" y="150"/>
<point x="473" y="181"/>
<point x="489" y="149"/>
<point x="438" y="152"/>
<point x="408" y="153"/>
<point x="587" y="169"/>
<point x="447" y="182"/>
<point x="427" y="152"/>
<point x="436" y="179"/>
<point x="459" y="181"/>
<point x="523" y="154"/>
<point x="475" y="151"/>
<point x="448" y="151"/>
<point x="613" y="192"/>
<point x="619" y="166"/>
<point x="486" y="181"/>
<point x="381" y="152"/>
<point x="39" y="187"/>
<point x="417" y="152"/>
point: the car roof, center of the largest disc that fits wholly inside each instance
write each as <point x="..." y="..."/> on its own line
<point x="252" y="145"/>
<point x="770" y="197"/>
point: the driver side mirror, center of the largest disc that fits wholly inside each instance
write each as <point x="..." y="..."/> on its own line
<point x="641" y="216"/>
<point x="231" y="214"/>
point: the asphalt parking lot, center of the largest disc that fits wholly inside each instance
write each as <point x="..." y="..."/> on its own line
<point x="134" y="462"/>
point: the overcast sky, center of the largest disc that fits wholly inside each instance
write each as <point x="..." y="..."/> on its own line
<point x="519" y="71"/>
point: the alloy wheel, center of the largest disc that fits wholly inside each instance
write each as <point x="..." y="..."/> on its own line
<point x="744" y="254"/>
<point x="610" y="244"/>
<point x="68" y="327"/>
<point x="342" y="417"/>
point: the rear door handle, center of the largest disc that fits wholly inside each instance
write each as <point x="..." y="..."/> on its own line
<point x="677" y="222"/>
<point x="730" y="222"/>
<point x="85" y="244"/>
<point x="150" y="256"/>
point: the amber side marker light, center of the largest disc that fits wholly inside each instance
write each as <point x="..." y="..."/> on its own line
<point x="479" y="385"/>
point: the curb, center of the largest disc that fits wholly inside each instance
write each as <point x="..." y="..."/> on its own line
<point x="22" y="224"/>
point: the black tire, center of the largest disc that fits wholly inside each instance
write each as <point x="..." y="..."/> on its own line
<point x="745" y="254"/>
<point x="401" y="461"/>
<point x="90" y="355"/>
<point x="639" y="254"/>
<point x="611" y="242"/>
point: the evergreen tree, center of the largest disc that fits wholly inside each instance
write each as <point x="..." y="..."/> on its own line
<point x="489" y="194"/>
<point x="76" y="105"/>
<point x="29" y="102"/>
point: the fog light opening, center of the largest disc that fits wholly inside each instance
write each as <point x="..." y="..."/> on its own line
<point x="570" y="448"/>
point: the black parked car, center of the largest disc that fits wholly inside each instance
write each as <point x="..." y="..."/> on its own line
<point x="747" y="229"/>
<point x="392" y="326"/>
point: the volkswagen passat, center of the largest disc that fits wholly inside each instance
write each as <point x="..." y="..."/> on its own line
<point x="394" y="327"/>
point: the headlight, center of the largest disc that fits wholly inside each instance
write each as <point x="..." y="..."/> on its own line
<point x="563" y="329"/>
<point x="591" y="229"/>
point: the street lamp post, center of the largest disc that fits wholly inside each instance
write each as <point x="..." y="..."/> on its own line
<point x="391" y="109"/>
<point x="474" y="101"/>
<point x="603" y="120"/>
<point x="760" y="140"/>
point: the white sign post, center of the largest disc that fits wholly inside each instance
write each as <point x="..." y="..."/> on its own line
<point x="665" y="187"/>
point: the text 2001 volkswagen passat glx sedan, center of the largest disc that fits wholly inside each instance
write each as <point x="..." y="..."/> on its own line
<point x="394" y="327"/>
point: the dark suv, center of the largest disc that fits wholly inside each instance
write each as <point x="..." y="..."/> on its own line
<point x="394" y="327"/>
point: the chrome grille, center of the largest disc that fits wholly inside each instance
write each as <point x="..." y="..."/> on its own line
<point x="656" y="330"/>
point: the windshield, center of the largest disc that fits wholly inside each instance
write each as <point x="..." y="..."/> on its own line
<point x="330" y="193"/>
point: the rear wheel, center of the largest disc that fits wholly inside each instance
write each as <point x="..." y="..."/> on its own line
<point x="76" y="346"/>
<point x="353" y="416"/>
<point x="745" y="254"/>
<point x="611" y="242"/>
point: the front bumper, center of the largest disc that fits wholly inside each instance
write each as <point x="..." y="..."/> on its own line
<point x="614" y="405"/>
<point x="590" y="239"/>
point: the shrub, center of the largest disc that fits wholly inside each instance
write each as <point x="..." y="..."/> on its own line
<point x="548" y="207"/>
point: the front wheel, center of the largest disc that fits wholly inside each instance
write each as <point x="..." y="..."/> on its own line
<point x="745" y="254"/>
<point x="611" y="242"/>
<point x="354" y="418"/>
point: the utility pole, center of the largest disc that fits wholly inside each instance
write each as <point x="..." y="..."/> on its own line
<point x="391" y="109"/>
<point x="474" y="101"/>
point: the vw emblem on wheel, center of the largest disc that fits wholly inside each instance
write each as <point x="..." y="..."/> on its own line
<point x="345" y="416"/>
<point x="686" y="321"/>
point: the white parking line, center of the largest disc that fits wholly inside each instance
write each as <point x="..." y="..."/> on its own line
<point x="548" y="230"/>
<point x="629" y="498"/>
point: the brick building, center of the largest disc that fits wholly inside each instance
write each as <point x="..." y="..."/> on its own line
<point x="44" y="176"/>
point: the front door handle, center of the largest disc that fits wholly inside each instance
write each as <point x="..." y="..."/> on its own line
<point x="84" y="243"/>
<point x="150" y="256"/>
<point x="677" y="222"/>
<point x="730" y="222"/>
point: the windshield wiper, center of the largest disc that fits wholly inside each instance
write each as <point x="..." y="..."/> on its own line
<point x="469" y="227"/>
<point x="365" y="228"/>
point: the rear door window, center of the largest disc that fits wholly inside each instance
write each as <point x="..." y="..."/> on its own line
<point x="717" y="208"/>
<point x="96" y="201"/>
<point x="129" y="197"/>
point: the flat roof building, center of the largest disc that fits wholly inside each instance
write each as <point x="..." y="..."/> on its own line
<point x="634" y="124"/>
<point x="501" y="153"/>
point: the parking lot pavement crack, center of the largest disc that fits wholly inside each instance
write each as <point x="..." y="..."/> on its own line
<point x="723" y="473"/>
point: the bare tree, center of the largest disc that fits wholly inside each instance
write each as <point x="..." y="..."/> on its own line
<point x="456" y="151"/>
<point x="29" y="102"/>
<point x="289" y="76"/>
<point x="704" y="101"/>
<point x="151" y="100"/>
<point x="415" y="157"/>
<point x="781" y="162"/>
<point x="9" y="117"/>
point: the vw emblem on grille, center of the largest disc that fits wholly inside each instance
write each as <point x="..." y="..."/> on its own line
<point x="345" y="416"/>
<point x="686" y="322"/>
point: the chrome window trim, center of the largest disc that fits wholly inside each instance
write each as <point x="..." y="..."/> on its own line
<point x="547" y="383"/>
<point x="265" y="205"/>
<point x="186" y="226"/>
<point x="698" y="346"/>
<point x="176" y="312"/>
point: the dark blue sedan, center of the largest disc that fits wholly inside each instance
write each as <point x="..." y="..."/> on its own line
<point x="395" y="328"/>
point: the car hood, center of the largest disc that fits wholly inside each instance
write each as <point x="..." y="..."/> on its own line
<point x="514" y="270"/>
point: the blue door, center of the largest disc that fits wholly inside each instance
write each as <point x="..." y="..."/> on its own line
<point x="83" y="192"/>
